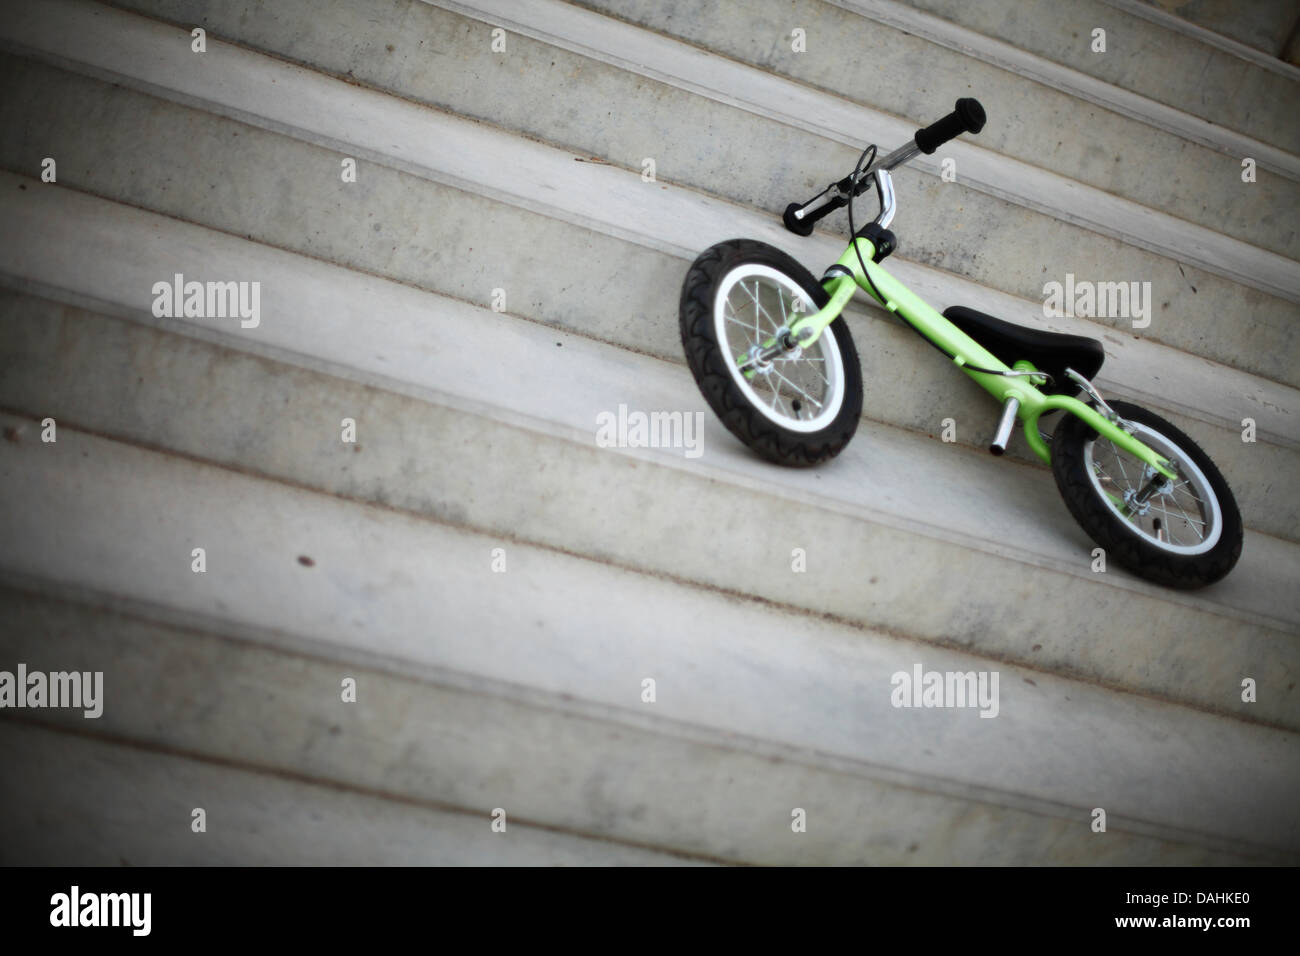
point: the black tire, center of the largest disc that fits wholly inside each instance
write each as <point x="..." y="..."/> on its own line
<point x="709" y="359"/>
<point x="1127" y="542"/>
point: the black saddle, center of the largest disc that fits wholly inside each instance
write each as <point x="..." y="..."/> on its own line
<point x="1051" y="352"/>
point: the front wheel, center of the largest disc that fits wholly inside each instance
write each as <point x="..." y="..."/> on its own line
<point x="1187" y="534"/>
<point x="800" y="408"/>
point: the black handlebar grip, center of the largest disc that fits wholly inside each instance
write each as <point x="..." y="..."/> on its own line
<point x="968" y="117"/>
<point x="800" y="227"/>
<point x="804" y="226"/>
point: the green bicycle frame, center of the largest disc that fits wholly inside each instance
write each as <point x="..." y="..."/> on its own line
<point x="964" y="351"/>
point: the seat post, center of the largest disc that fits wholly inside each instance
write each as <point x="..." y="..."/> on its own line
<point x="1005" y="424"/>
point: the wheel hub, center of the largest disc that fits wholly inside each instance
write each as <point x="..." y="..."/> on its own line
<point x="755" y="361"/>
<point x="1133" y="506"/>
<point x="761" y="355"/>
<point x="1153" y="484"/>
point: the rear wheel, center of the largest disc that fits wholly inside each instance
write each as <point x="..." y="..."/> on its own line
<point x="799" y="408"/>
<point x="1186" y="534"/>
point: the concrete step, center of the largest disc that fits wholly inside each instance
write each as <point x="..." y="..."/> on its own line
<point x="672" y="96"/>
<point x="1190" y="301"/>
<point x="414" y="748"/>
<point x="856" y="45"/>
<point x="81" y="801"/>
<point x="1237" y="99"/>
<point x="1097" y="148"/>
<point x="892" y="494"/>
<point x="906" y="384"/>
<point x="541" y="670"/>
<point x="1263" y="27"/>
<point x="907" y="77"/>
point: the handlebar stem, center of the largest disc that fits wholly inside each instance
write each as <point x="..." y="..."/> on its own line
<point x="885" y="185"/>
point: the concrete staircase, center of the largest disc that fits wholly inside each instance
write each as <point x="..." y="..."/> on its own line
<point x="498" y="585"/>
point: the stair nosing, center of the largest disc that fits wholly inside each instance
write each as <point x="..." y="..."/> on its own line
<point x="1177" y="24"/>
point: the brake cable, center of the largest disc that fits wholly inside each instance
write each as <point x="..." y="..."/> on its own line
<point x="853" y="232"/>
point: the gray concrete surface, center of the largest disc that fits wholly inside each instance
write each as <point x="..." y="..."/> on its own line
<point x="91" y="802"/>
<point x="882" y="68"/>
<point x="384" y="587"/>
<point x="931" y="525"/>
<point x="1265" y="25"/>
<point x="1146" y="54"/>
<point x="1199" y="114"/>
<point x="1196" y="299"/>
<point x="476" y="431"/>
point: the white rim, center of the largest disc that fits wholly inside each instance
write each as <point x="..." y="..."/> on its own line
<point x="1188" y="514"/>
<point x="806" y="379"/>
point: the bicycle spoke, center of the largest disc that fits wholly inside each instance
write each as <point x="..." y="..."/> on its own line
<point x="758" y="307"/>
<point x="796" y="388"/>
<point x="734" y="317"/>
<point x="1197" y="503"/>
<point x="766" y="316"/>
<point x="1192" y="522"/>
<point x="1169" y="527"/>
<point x="825" y="381"/>
<point x="1119" y="460"/>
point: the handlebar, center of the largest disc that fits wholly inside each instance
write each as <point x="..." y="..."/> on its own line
<point x="967" y="117"/>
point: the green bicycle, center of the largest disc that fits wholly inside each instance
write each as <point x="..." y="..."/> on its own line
<point x="772" y="354"/>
